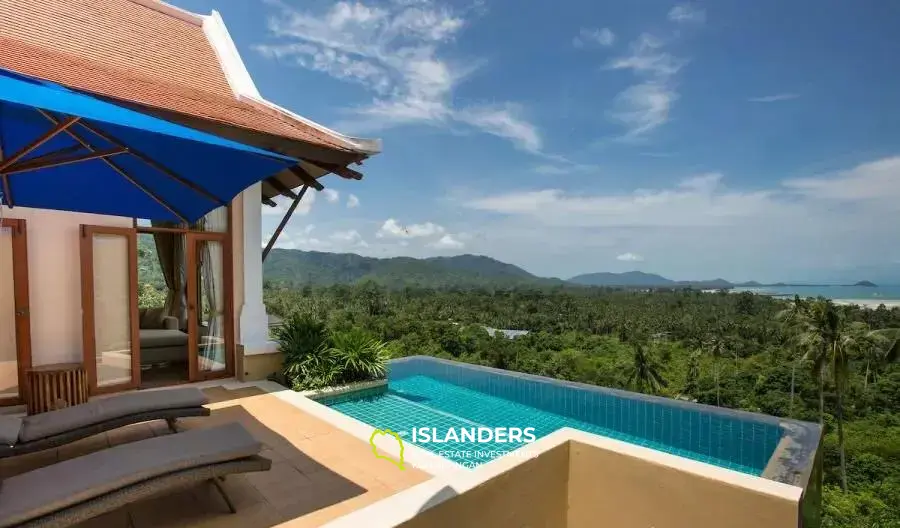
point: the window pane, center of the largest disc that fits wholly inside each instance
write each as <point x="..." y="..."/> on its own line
<point x="112" y="315"/>
<point x="9" y="374"/>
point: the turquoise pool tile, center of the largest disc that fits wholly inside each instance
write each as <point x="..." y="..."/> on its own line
<point x="443" y="395"/>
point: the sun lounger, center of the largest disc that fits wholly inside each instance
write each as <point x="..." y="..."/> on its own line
<point x="55" y="428"/>
<point x="81" y="488"/>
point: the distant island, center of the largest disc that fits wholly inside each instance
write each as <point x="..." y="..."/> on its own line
<point x="867" y="284"/>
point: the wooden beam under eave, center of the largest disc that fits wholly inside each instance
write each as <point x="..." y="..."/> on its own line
<point x="281" y="188"/>
<point x="284" y="221"/>
<point x="306" y="177"/>
<point x="269" y="202"/>
<point x="343" y="172"/>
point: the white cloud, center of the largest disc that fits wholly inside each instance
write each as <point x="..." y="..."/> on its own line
<point x="564" y="167"/>
<point x="393" y="229"/>
<point x="283" y="203"/>
<point x="797" y="228"/>
<point x="687" y="13"/>
<point x="352" y="201"/>
<point x="298" y="238"/>
<point x="396" y="50"/>
<point x="503" y="121"/>
<point x="700" y="201"/>
<point x="447" y="242"/>
<point x="630" y="257"/>
<point x="642" y="108"/>
<point x="645" y="106"/>
<point x="877" y="181"/>
<point x="774" y="98"/>
<point x="350" y="237"/>
<point x="602" y="37"/>
<point x="331" y="195"/>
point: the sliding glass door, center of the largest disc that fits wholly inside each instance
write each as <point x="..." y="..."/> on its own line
<point x="15" y="328"/>
<point x="209" y="306"/>
<point x="109" y="291"/>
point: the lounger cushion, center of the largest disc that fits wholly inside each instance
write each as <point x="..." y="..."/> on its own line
<point x="10" y="426"/>
<point x="52" y="488"/>
<point x="102" y="409"/>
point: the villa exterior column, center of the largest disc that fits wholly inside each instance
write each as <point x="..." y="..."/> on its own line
<point x="254" y="321"/>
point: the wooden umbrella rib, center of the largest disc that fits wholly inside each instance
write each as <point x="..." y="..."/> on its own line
<point x="154" y="164"/>
<point x="46" y="164"/>
<point x="117" y="168"/>
<point x="284" y="221"/>
<point x="49" y="156"/>
<point x="4" y="180"/>
<point x="61" y="126"/>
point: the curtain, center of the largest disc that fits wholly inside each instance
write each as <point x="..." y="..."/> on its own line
<point x="170" y="251"/>
<point x="212" y="268"/>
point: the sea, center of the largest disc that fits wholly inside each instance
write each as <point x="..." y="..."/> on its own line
<point x="842" y="293"/>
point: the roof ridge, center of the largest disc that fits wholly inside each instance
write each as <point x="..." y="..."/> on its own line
<point x="171" y="10"/>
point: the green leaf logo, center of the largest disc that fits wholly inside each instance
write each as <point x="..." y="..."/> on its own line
<point x="388" y="432"/>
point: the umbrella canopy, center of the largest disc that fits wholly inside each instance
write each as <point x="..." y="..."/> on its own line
<point x="70" y="151"/>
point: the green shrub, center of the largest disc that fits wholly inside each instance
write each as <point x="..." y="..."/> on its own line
<point x="315" y="358"/>
<point x="359" y="355"/>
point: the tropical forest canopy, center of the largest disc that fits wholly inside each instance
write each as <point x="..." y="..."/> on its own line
<point x="808" y="359"/>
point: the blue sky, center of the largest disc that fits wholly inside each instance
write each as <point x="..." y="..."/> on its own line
<point x="745" y="140"/>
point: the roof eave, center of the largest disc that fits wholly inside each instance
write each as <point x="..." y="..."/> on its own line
<point x="244" y="88"/>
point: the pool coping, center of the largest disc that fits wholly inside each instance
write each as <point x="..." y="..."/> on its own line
<point x="405" y="505"/>
<point x="791" y="462"/>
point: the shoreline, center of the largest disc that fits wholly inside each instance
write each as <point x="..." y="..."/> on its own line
<point x="868" y="303"/>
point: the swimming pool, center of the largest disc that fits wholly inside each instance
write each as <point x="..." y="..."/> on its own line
<point x="439" y="394"/>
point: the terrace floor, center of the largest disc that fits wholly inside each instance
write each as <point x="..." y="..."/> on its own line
<point x="319" y="473"/>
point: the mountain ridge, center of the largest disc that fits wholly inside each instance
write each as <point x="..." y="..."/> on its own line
<point x="467" y="270"/>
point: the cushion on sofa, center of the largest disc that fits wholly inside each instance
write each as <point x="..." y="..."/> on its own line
<point x="156" y="338"/>
<point x="151" y="317"/>
<point x="10" y="426"/>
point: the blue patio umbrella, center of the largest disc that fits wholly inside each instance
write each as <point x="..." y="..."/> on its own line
<point x="71" y="151"/>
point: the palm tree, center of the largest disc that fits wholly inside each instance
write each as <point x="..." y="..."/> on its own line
<point x="828" y="342"/>
<point x="879" y="347"/>
<point x="693" y="374"/>
<point x="644" y="371"/>
<point x="793" y="317"/>
<point x="717" y="347"/>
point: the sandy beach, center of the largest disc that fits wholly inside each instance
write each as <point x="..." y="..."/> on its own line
<point x="869" y="303"/>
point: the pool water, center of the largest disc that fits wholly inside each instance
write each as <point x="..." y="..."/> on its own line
<point x="415" y="401"/>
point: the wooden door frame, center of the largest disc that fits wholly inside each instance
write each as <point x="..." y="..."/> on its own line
<point x="21" y="303"/>
<point x="87" y="306"/>
<point x="192" y="240"/>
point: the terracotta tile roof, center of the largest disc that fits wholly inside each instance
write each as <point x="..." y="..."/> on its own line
<point x="123" y="50"/>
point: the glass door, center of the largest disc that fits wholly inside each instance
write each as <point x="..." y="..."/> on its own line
<point x="210" y="324"/>
<point x="15" y="327"/>
<point x="109" y="291"/>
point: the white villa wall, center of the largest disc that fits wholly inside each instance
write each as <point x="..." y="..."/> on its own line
<point x="54" y="279"/>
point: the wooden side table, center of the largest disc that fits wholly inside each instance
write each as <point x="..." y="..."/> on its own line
<point x="56" y="386"/>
